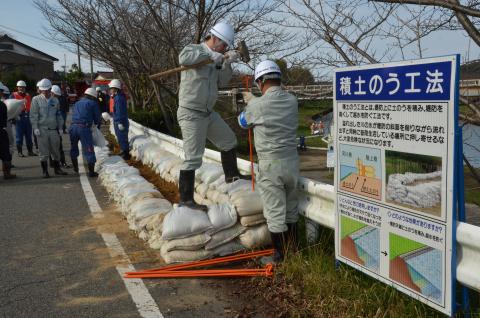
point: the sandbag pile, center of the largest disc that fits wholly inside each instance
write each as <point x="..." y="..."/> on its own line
<point x="234" y="221"/>
<point x="210" y="190"/>
<point x="141" y="203"/>
<point x="421" y="190"/>
<point x="191" y="235"/>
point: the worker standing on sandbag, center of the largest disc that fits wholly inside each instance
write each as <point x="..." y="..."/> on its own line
<point x="5" y="154"/>
<point x="85" y="113"/>
<point x="46" y="119"/>
<point x="274" y="118"/>
<point x="197" y="97"/>
<point x="118" y="108"/>
<point x="23" y="126"/>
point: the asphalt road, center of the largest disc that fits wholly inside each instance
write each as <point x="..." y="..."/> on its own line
<point x="56" y="264"/>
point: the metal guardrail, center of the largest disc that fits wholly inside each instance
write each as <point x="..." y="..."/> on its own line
<point x="317" y="204"/>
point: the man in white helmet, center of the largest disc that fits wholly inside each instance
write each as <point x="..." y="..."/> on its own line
<point x="197" y="97"/>
<point x="46" y="119"/>
<point x="85" y="113"/>
<point x="5" y="154"/>
<point x="23" y="126"/>
<point x="118" y="108"/>
<point x="274" y="118"/>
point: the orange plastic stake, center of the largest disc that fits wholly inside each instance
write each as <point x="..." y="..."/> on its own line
<point x="172" y="271"/>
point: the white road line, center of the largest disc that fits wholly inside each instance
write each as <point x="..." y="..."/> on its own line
<point x="146" y="306"/>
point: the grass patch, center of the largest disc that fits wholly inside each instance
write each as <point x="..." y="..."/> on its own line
<point x="309" y="285"/>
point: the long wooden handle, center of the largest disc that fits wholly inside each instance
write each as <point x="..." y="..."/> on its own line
<point x="179" y="69"/>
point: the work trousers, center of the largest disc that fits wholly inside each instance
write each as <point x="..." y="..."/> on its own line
<point x="84" y="135"/>
<point x="196" y="128"/>
<point x="277" y="181"/>
<point x="122" y="136"/>
<point x="24" y="129"/>
<point x="48" y="144"/>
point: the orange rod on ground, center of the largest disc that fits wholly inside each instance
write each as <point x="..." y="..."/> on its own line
<point x="267" y="271"/>
<point x="208" y="262"/>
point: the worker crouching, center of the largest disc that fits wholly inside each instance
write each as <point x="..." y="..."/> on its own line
<point x="274" y="118"/>
<point x="46" y="119"/>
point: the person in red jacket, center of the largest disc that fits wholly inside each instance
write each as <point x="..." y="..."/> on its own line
<point x="23" y="125"/>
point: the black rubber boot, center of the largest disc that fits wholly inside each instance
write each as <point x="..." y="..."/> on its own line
<point x="292" y="237"/>
<point x="30" y="151"/>
<point x="45" y="169"/>
<point x="19" y="150"/>
<point x="230" y="168"/>
<point x="186" y="187"/>
<point x="58" y="170"/>
<point x="278" y="242"/>
<point x="91" y="170"/>
<point x="75" y="165"/>
<point x="125" y="155"/>
<point x="63" y="162"/>
<point x="7" y="167"/>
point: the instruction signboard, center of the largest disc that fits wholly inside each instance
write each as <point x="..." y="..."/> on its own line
<point x="394" y="182"/>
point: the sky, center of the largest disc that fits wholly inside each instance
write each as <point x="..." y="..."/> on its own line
<point x="22" y="20"/>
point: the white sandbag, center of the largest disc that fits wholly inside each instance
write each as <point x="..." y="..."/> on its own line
<point x="151" y="221"/>
<point x="229" y="248"/>
<point x="151" y="153"/>
<point x="220" y="182"/>
<point x="217" y="196"/>
<point x="184" y="256"/>
<point x="147" y="207"/>
<point x="132" y="195"/>
<point x="201" y="200"/>
<point x="257" y="236"/>
<point x="14" y="107"/>
<point x="191" y="243"/>
<point x="202" y="189"/>
<point x="251" y="220"/>
<point x="209" y="172"/>
<point x="222" y="216"/>
<point x="143" y="235"/>
<point x="155" y="241"/>
<point x="183" y="221"/>
<point x="238" y="185"/>
<point x="164" y="166"/>
<point x="98" y="138"/>
<point x="225" y="236"/>
<point x="175" y="172"/>
<point x="247" y="203"/>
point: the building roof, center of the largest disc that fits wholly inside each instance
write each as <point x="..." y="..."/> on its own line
<point x="6" y="38"/>
<point x="470" y="70"/>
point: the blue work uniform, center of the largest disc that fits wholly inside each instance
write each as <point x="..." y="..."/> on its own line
<point x="23" y="126"/>
<point x="120" y="116"/>
<point x="85" y="113"/>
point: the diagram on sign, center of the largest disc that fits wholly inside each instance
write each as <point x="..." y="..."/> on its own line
<point x="360" y="243"/>
<point x="360" y="171"/>
<point x="416" y="266"/>
<point x="414" y="181"/>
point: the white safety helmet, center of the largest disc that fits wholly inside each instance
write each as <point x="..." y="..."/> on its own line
<point x="91" y="92"/>
<point x="98" y="89"/>
<point x="224" y="32"/>
<point x="2" y="87"/>
<point x="6" y="90"/>
<point x="44" y="84"/>
<point x="268" y="67"/>
<point x="21" y="84"/>
<point x="115" y="83"/>
<point x="56" y="90"/>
